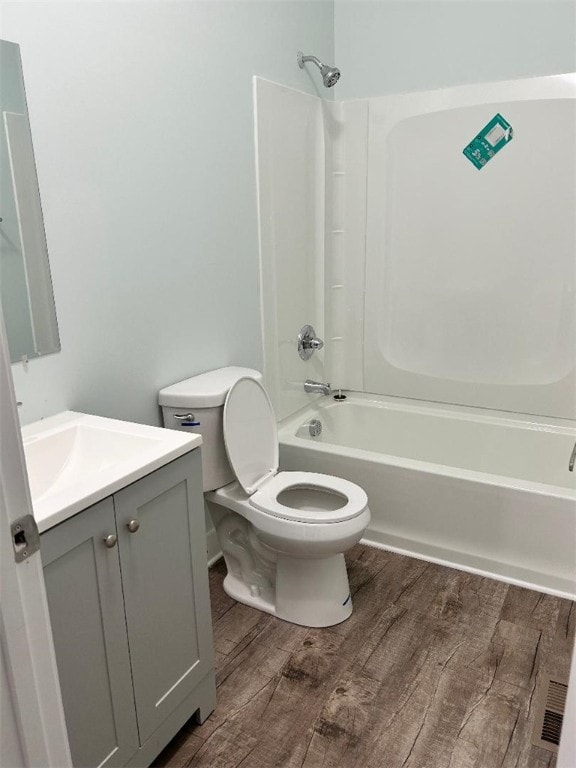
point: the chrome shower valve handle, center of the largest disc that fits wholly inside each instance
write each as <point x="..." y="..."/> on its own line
<point x="308" y="342"/>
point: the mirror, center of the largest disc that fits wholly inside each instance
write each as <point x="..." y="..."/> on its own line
<point x="25" y="283"/>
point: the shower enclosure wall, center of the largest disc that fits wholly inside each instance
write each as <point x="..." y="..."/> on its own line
<point x="429" y="280"/>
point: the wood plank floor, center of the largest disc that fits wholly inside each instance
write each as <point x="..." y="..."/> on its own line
<point x="436" y="668"/>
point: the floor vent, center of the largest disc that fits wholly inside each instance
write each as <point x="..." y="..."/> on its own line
<point x="550" y="704"/>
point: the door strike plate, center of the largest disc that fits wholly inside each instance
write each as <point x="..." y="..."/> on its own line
<point x="25" y="537"/>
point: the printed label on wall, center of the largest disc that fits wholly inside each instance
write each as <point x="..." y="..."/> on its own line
<point x="497" y="134"/>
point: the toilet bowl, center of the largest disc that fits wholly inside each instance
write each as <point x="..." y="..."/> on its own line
<point x="282" y="534"/>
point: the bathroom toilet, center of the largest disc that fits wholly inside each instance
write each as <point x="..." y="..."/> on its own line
<point x="283" y="534"/>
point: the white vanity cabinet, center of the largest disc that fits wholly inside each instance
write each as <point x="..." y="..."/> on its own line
<point x="127" y="588"/>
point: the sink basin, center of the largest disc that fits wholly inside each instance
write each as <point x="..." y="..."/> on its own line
<point x="74" y="460"/>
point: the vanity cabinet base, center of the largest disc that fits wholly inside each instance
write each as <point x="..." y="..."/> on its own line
<point x="203" y="698"/>
<point x="127" y="588"/>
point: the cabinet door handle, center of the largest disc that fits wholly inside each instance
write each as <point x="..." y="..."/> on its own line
<point x="133" y="526"/>
<point x="111" y="540"/>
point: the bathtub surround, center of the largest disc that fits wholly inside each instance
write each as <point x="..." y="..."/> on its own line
<point x="290" y="158"/>
<point x="471" y="275"/>
<point x="425" y="277"/>
<point x="442" y="284"/>
<point x="435" y="667"/>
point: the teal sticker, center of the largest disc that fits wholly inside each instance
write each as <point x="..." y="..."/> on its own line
<point x="497" y="134"/>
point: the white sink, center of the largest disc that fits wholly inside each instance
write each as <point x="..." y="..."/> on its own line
<point x="75" y="460"/>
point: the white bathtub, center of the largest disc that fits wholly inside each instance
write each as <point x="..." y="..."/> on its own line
<point x="479" y="490"/>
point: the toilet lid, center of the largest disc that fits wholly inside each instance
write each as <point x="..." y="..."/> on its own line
<point x="250" y="434"/>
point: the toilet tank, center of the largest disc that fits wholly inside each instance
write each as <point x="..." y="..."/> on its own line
<point x="197" y="405"/>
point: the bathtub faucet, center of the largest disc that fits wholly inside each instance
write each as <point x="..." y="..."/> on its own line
<point x="318" y="387"/>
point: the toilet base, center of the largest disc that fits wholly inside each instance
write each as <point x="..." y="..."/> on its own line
<point x="311" y="592"/>
<point x="238" y="590"/>
<point x="281" y="567"/>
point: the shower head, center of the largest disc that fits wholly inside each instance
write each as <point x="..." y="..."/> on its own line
<point x="330" y="75"/>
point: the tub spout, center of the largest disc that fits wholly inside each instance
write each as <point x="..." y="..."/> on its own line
<point x="317" y="387"/>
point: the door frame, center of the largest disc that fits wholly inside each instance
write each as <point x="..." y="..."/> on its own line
<point x="25" y="632"/>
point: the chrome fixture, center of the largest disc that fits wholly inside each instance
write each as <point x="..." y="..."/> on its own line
<point x="317" y="387"/>
<point x="315" y="427"/>
<point x="308" y="342"/>
<point x="330" y="75"/>
<point x="186" y="419"/>
<point x="572" y="459"/>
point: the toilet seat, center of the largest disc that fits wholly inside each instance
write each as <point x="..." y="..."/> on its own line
<point x="354" y="500"/>
<point x="250" y="434"/>
<point x="251" y="440"/>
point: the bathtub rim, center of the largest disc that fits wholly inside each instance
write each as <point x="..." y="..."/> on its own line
<point x="502" y="569"/>
<point x="288" y="426"/>
<point x="561" y="586"/>
<point x="438" y="408"/>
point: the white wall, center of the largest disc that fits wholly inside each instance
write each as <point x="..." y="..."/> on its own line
<point x="142" y="120"/>
<point x="141" y="114"/>
<point x="391" y="46"/>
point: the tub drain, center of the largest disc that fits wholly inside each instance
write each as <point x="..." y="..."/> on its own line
<point x="315" y="427"/>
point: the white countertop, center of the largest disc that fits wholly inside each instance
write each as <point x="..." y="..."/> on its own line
<point x="75" y="460"/>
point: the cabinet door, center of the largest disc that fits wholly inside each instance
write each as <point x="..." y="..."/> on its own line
<point x="84" y="591"/>
<point x="165" y="580"/>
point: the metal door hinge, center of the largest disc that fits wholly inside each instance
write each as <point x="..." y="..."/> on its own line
<point x="25" y="537"/>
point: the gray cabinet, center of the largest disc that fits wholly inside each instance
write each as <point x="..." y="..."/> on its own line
<point x="86" y="605"/>
<point x="131" y="621"/>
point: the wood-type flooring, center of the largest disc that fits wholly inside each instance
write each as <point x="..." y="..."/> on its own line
<point x="436" y="668"/>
